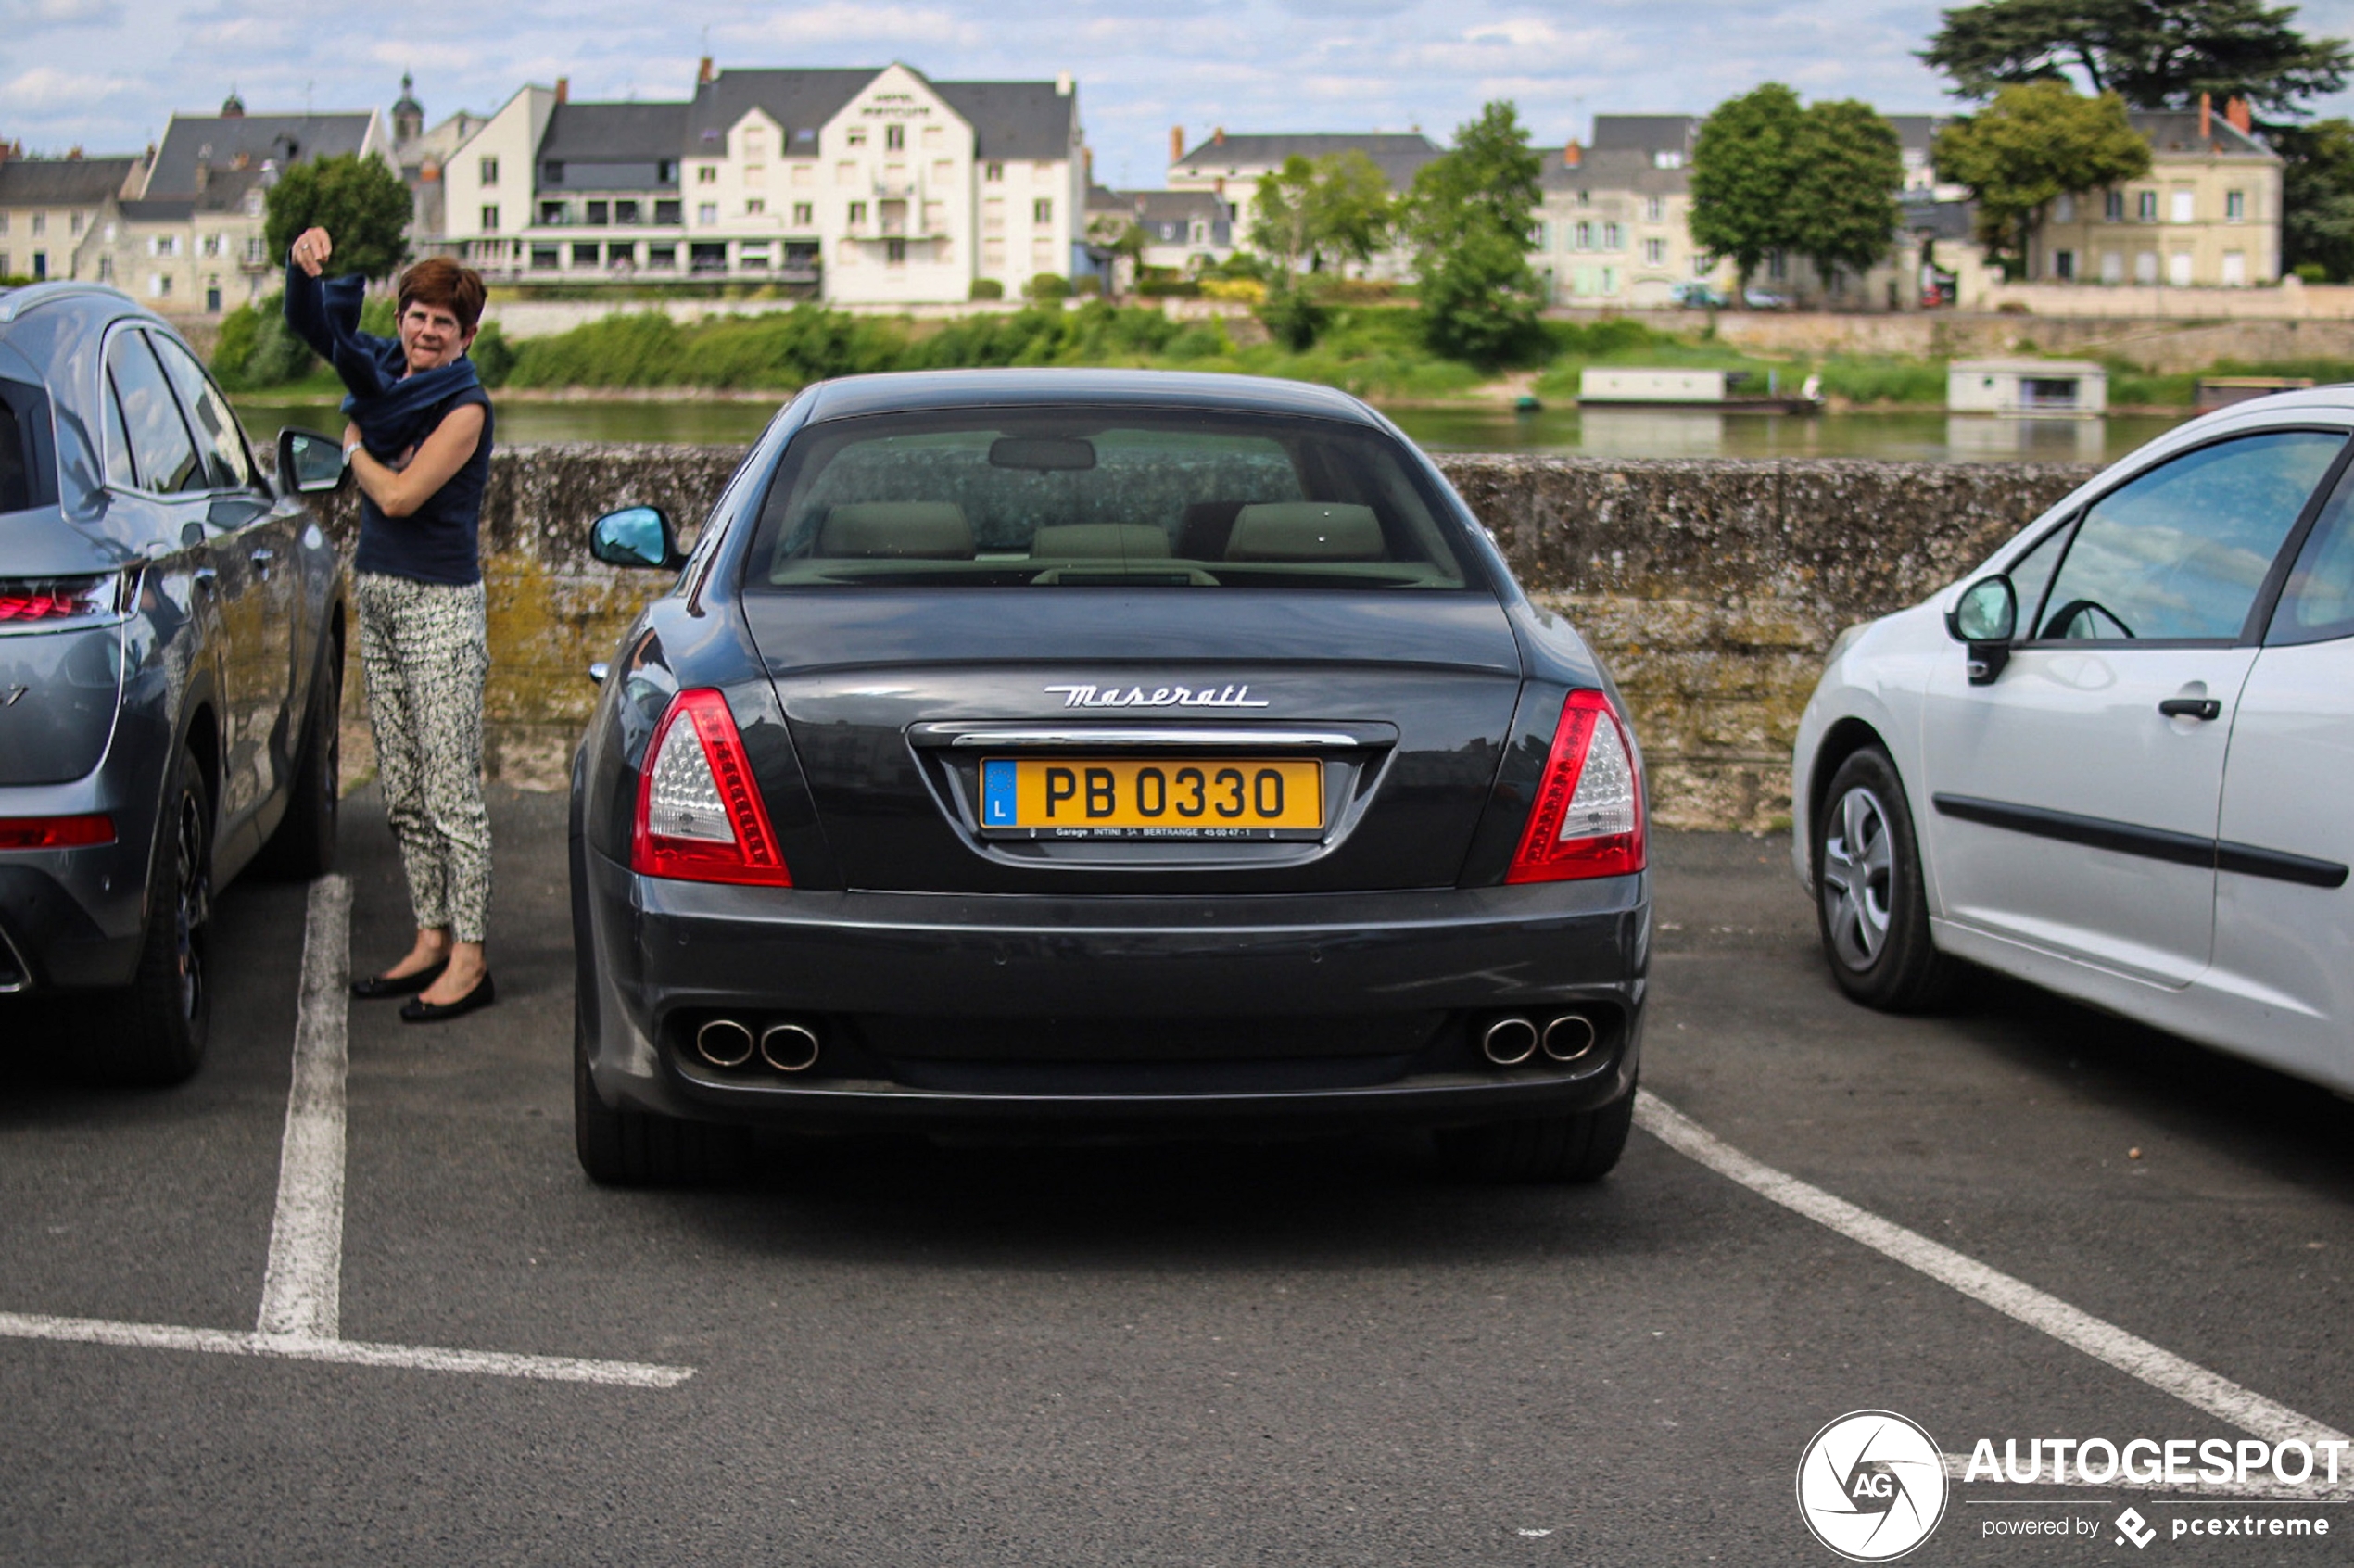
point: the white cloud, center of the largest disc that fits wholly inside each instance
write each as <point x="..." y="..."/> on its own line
<point x="838" y="22"/>
<point x="28" y="15"/>
<point x="47" y="88"/>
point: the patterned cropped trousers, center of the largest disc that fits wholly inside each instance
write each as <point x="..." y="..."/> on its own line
<point x="426" y="649"/>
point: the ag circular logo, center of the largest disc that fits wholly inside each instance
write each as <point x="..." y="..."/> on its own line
<point x="1871" y="1485"/>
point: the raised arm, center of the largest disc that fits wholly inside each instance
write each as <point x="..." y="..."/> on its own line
<point x="306" y="295"/>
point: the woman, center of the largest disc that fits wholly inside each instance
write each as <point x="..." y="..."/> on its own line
<point x="419" y="444"/>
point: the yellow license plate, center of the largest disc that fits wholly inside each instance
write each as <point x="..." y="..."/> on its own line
<point x="1152" y="797"/>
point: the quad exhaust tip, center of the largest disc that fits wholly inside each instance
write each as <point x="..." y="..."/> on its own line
<point x="789" y="1047"/>
<point x="1510" y="1041"/>
<point x="724" y="1043"/>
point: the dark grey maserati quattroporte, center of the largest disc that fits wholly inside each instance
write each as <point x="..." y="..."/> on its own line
<point x="170" y="634"/>
<point x="1100" y="751"/>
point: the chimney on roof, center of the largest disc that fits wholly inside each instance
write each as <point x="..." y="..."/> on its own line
<point x="2236" y="110"/>
<point x="2206" y="117"/>
<point x="204" y="177"/>
<point x="1573" y="154"/>
<point x="73" y="155"/>
<point x="1062" y="84"/>
<point x="563" y="89"/>
<point x="703" y="72"/>
<point x="1218" y="137"/>
<point x="1176" y="143"/>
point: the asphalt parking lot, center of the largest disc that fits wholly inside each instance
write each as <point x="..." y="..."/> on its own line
<point x="895" y="1353"/>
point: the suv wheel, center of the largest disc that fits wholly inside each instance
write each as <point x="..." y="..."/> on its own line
<point x="304" y="845"/>
<point x="1870" y="902"/>
<point x="157" y="1035"/>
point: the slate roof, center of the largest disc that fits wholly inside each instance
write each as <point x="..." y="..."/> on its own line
<point x="223" y="192"/>
<point x="218" y="142"/>
<point x="1397" y="155"/>
<point x="1616" y="168"/>
<point x="1168" y="207"/>
<point x="2177" y="131"/>
<point x="62" y="182"/>
<point x="798" y="100"/>
<point x="1917" y="131"/>
<point x="1013" y="120"/>
<point x="1644" y="132"/>
<point x="614" y="132"/>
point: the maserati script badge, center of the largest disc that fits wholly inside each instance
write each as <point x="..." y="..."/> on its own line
<point x="1158" y="697"/>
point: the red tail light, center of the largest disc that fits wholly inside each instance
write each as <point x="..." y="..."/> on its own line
<point x="1589" y="818"/>
<point x="56" y="832"/>
<point x="699" y="818"/>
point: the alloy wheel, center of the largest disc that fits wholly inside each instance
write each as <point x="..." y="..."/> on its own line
<point x="1858" y="878"/>
<point x="190" y="906"/>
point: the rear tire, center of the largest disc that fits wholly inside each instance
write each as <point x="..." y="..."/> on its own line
<point x="1871" y="904"/>
<point x="632" y="1148"/>
<point x="304" y="845"/>
<point x="156" y="1033"/>
<point x="1584" y="1147"/>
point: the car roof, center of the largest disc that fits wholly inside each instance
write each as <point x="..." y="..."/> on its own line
<point x="910" y="390"/>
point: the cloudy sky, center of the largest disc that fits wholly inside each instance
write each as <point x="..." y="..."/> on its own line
<point x="106" y="74"/>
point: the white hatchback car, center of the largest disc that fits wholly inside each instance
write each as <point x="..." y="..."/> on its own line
<point x="2115" y="761"/>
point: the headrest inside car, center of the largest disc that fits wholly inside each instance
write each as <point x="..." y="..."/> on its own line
<point x="908" y="530"/>
<point x="1306" y="531"/>
<point x="1100" y="541"/>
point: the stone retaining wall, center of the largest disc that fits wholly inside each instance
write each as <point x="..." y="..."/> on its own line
<point x="1713" y="587"/>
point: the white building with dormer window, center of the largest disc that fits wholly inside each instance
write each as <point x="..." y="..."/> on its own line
<point x="861" y="188"/>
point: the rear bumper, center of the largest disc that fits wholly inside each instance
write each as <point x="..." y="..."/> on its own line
<point x="71" y="918"/>
<point x="1331" y="1009"/>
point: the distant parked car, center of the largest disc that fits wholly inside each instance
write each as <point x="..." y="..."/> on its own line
<point x="1698" y="294"/>
<point x="1764" y="299"/>
<point x="171" y="639"/>
<point x="1099" y="751"/>
<point x="2114" y="762"/>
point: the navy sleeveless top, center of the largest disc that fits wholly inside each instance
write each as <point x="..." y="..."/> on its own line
<point x="437" y="542"/>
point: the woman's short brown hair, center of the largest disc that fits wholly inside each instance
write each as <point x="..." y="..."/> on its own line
<point x="440" y="282"/>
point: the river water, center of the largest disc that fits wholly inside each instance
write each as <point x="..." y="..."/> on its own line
<point x="1619" y="433"/>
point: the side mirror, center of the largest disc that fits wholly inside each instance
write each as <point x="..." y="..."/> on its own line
<point x="635" y="535"/>
<point x="309" y="464"/>
<point x="1986" y="618"/>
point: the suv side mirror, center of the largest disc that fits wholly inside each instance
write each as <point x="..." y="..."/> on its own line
<point x="1986" y="618"/>
<point x="635" y="535"/>
<point x="309" y="464"/>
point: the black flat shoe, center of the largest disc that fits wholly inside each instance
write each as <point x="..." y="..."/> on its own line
<point x="375" y="988"/>
<point x="422" y="1011"/>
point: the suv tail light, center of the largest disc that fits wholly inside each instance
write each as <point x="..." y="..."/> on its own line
<point x="699" y="818"/>
<point x="56" y="600"/>
<point x="1589" y="818"/>
<point x="56" y="832"/>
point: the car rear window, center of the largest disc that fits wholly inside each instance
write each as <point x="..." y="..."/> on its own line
<point x="1135" y="497"/>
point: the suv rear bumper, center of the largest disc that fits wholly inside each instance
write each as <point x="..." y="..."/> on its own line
<point x="868" y="970"/>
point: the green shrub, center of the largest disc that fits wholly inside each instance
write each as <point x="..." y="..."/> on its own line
<point x="257" y="350"/>
<point x="2313" y="271"/>
<point x="1293" y="319"/>
<point x="1046" y="286"/>
<point x="987" y="288"/>
<point x="1087" y="285"/>
<point x="1169" y="288"/>
<point x="1203" y="340"/>
<point x="494" y="357"/>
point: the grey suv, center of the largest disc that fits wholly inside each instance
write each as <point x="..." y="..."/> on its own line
<point x="172" y="625"/>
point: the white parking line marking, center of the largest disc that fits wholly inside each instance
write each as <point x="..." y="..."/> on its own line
<point x="2135" y="1356"/>
<point x="301" y="1290"/>
<point x="2250" y="1491"/>
<point x="346" y="1352"/>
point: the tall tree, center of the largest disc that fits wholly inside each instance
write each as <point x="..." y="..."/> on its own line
<point x="359" y="200"/>
<point x="2154" y="54"/>
<point x="1746" y="161"/>
<point x="1334" y="208"/>
<point x="2317" y="196"/>
<point x="1469" y="215"/>
<point x="1851" y="165"/>
<point x="2037" y="141"/>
